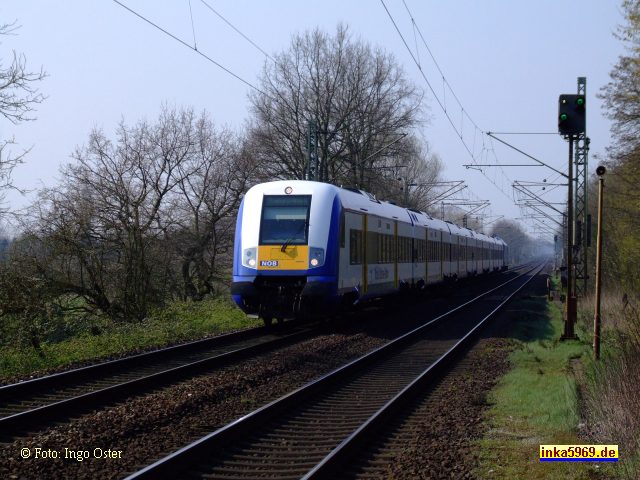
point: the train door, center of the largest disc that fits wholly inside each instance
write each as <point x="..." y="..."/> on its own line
<point x="447" y="257"/>
<point x="472" y="255"/>
<point x="464" y="243"/>
<point x="396" y="251"/>
<point x="456" y="265"/>
<point x="484" y="256"/>
<point x="425" y="258"/>
<point x="439" y="250"/>
<point x="352" y="268"/>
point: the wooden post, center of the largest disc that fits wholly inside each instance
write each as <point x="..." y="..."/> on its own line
<point x="596" y="317"/>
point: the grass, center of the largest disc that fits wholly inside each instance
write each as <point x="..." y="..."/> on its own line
<point x="536" y="402"/>
<point x="180" y="321"/>
<point x="612" y="384"/>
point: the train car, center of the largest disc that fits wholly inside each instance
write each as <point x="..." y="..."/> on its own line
<point x="305" y="247"/>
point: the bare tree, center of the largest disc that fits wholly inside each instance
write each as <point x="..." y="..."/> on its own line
<point x="355" y="99"/>
<point x="521" y="245"/>
<point x="141" y="219"/>
<point x="208" y="201"/>
<point x="18" y="98"/>
<point x="410" y="177"/>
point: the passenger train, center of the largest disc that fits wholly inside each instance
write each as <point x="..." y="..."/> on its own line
<point x="304" y="247"/>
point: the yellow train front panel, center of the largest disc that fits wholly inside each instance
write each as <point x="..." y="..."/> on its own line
<point x="271" y="257"/>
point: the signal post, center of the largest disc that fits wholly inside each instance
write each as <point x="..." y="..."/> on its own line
<point x="571" y="123"/>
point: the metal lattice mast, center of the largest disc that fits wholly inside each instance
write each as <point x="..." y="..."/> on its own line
<point x="580" y="209"/>
<point x="312" y="172"/>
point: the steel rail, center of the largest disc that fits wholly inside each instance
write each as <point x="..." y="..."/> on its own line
<point x="12" y="424"/>
<point x="330" y="465"/>
<point x="75" y="375"/>
<point x="174" y="463"/>
<point x="14" y="394"/>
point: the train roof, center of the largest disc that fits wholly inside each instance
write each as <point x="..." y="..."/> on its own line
<point x="360" y="200"/>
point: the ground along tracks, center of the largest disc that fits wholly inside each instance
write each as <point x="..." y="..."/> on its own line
<point x="312" y="431"/>
<point x="36" y="402"/>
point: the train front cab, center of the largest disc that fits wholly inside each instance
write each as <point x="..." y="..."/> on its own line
<point x="285" y="251"/>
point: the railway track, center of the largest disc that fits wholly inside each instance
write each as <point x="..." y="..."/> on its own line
<point x="34" y="403"/>
<point x="311" y="432"/>
<point x="31" y="405"/>
<point x="430" y="433"/>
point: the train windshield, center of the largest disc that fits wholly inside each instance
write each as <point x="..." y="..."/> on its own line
<point x="285" y="220"/>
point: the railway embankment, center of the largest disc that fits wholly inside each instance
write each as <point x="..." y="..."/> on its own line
<point x="540" y="398"/>
<point x="77" y="341"/>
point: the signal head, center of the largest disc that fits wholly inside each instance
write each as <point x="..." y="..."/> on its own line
<point x="571" y="114"/>
<point x="601" y="170"/>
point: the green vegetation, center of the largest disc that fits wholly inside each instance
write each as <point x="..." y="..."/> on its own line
<point x="81" y="340"/>
<point x="537" y="401"/>
<point x="611" y="393"/>
<point x="621" y="226"/>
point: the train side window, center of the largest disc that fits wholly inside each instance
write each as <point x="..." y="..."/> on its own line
<point x="392" y="250"/>
<point x="384" y="241"/>
<point x="402" y="254"/>
<point x="355" y="247"/>
<point x="342" y="232"/>
<point x="373" y="247"/>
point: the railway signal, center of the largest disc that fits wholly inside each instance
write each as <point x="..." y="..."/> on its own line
<point x="571" y="125"/>
<point x="571" y="114"/>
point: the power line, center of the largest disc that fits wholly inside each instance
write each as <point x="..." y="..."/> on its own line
<point x="199" y="52"/>
<point x="444" y="79"/>
<point x="525" y="133"/>
<point x="260" y="49"/>
<point x="193" y="28"/>
<point x="424" y="76"/>
<point x="459" y="131"/>
<point x="238" y="31"/>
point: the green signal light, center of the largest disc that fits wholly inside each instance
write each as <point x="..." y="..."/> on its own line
<point x="580" y="102"/>
<point x="563" y="117"/>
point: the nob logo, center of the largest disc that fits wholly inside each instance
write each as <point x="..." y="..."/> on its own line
<point x="268" y="263"/>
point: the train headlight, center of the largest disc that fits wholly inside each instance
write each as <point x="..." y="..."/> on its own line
<point x="316" y="257"/>
<point x="249" y="257"/>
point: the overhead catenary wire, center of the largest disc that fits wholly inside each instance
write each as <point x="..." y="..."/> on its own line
<point x="458" y="132"/>
<point x="435" y="62"/>
<point x="237" y="30"/>
<point x="464" y="112"/>
<point x="199" y="52"/>
<point x="193" y="28"/>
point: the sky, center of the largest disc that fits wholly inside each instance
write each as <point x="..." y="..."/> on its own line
<point x="505" y="61"/>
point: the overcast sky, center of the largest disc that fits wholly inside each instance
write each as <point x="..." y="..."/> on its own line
<point x="507" y="62"/>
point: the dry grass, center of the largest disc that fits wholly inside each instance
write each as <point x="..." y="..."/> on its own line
<point x="612" y="390"/>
